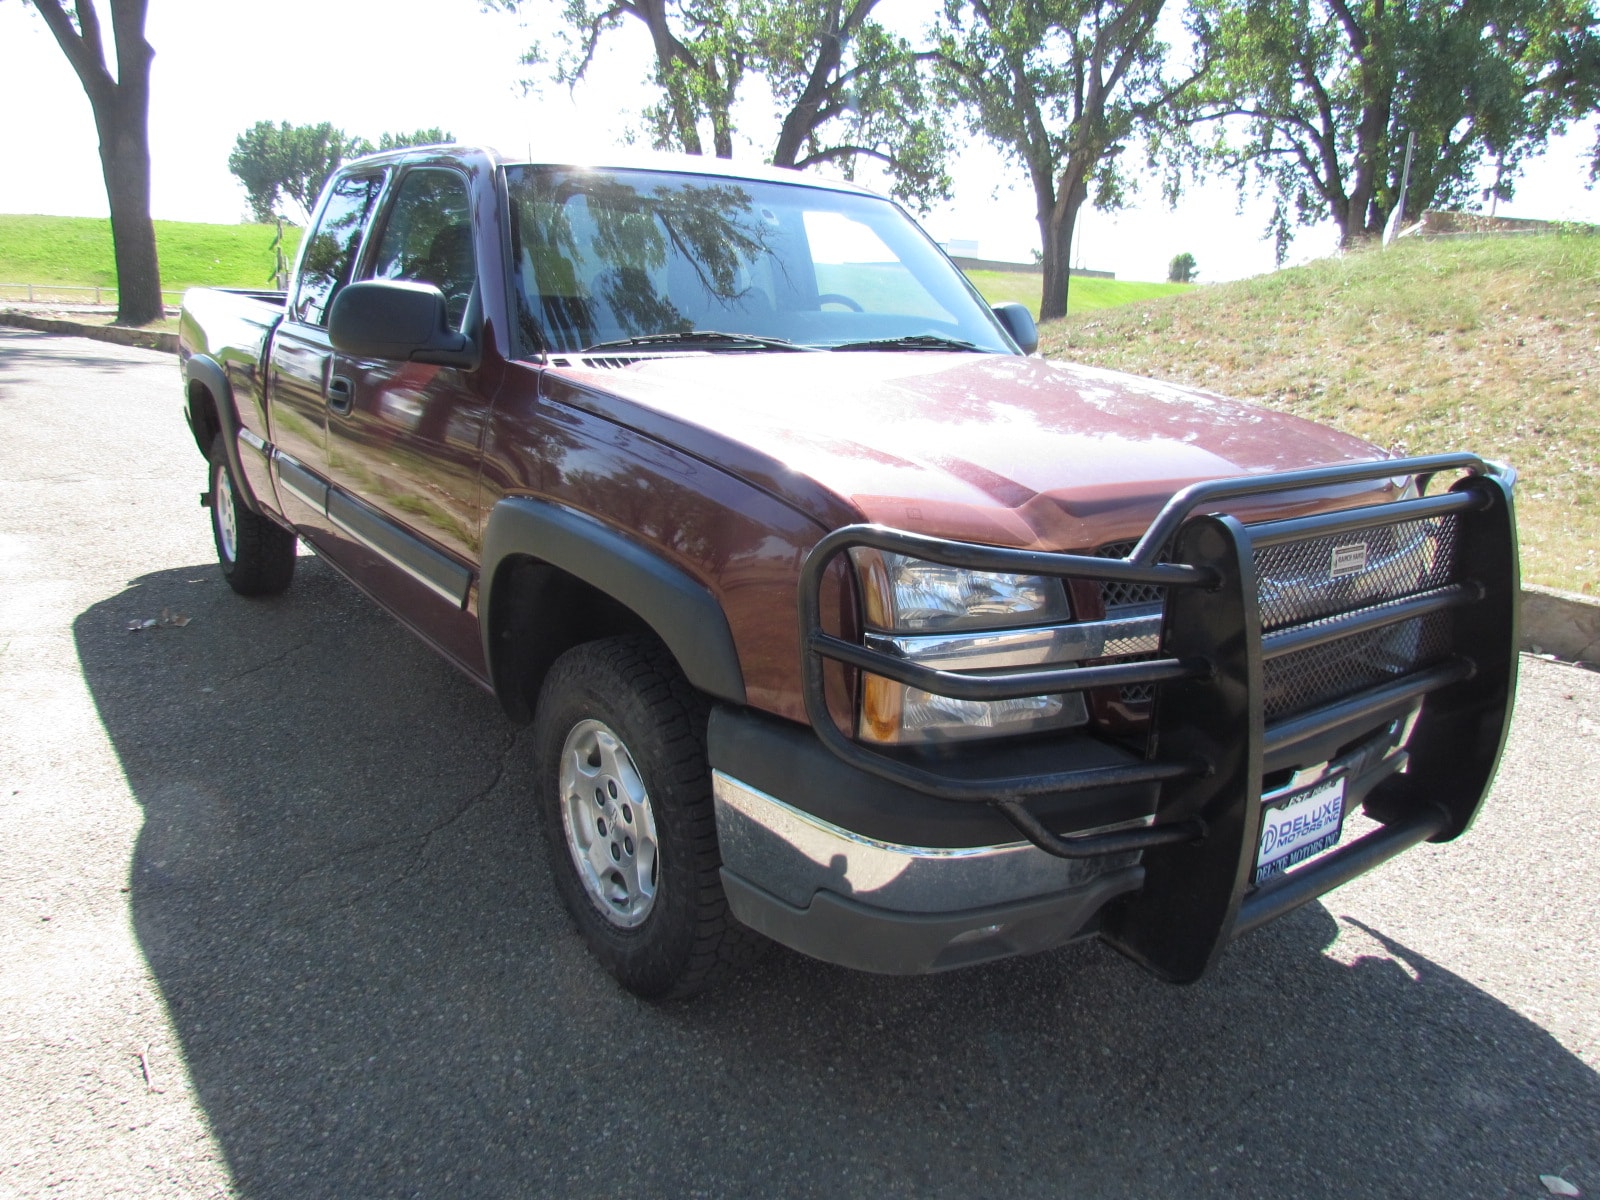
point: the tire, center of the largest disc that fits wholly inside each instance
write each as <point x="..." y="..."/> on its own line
<point x="625" y="795"/>
<point x="256" y="554"/>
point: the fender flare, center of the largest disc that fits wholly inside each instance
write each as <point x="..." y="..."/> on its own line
<point x="680" y="609"/>
<point x="208" y="373"/>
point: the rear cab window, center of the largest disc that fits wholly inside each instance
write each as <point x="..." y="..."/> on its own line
<point x="329" y="255"/>
<point x="427" y="238"/>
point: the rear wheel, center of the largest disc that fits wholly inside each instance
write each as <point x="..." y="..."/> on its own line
<point x="256" y="554"/>
<point x="625" y="794"/>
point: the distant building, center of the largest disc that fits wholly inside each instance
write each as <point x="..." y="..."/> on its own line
<point x="967" y="263"/>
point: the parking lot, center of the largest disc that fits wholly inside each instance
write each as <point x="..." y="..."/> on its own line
<point x="276" y="923"/>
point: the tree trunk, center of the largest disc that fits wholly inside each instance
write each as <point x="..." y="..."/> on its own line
<point x="1349" y="225"/>
<point x="122" y="118"/>
<point x="1057" y="222"/>
<point x="802" y="119"/>
<point x="1057" y="269"/>
<point x="670" y="60"/>
<point x="125" y="162"/>
<point x="722" y="131"/>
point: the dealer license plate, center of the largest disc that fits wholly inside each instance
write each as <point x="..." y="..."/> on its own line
<point x="1298" y="826"/>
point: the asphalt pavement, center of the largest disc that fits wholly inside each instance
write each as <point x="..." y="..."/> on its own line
<point x="275" y="923"/>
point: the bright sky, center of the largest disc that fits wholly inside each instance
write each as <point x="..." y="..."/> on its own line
<point x="221" y="67"/>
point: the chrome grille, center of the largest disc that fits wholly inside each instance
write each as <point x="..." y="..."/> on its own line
<point x="1297" y="581"/>
<point x="1116" y="594"/>
<point x="1138" y="693"/>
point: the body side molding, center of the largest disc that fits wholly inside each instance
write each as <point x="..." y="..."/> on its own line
<point x="682" y="612"/>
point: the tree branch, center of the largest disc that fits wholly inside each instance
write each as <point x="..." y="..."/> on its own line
<point x="835" y="153"/>
<point x="858" y="14"/>
<point x="89" y="65"/>
<point x="591" y="41"/>
<point x="1352" y="27"/>
<point x="1270" y="116"/>
<point x="89" y="29"/>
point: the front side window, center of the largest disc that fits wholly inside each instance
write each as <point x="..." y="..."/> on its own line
<point x="330" y="251"/>
<point x="428" y="238"/>
<point x="605" y="256"/>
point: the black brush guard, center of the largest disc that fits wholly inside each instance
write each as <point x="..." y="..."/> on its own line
<point x="1210" y="743"/>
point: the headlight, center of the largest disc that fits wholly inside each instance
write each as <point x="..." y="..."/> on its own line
<point x="911" y="595"/>
<point x="893" y="714"/>
<point x="906" y="595"/>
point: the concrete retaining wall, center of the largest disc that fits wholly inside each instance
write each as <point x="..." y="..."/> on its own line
<point x="1561" y="623"/>
<point x="122" y="335"/>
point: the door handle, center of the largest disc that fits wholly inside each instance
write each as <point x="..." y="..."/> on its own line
<point x="341" y="395"/>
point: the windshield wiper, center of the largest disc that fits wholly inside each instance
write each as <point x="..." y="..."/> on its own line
<point x="699" y="337"/>
<point x="915" y="341"/>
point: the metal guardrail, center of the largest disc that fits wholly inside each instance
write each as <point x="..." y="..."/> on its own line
<point x="38" y="293"/>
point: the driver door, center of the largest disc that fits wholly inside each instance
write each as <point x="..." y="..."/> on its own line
<point x="405" y="439"/>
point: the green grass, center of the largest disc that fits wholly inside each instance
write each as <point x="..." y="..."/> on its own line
<point x="1490" y="345"/>
<point x="1084" y="295"/>
<point x="76" y="251"/>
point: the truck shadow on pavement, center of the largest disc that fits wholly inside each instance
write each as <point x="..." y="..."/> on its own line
<point x="341" y="893"/>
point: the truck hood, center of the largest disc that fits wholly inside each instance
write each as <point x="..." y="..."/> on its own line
<point x="985" y="447"/>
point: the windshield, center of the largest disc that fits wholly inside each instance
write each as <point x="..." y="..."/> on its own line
<point x="609" y="256"/>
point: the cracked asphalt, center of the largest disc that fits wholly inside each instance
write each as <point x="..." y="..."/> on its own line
<point x="275" y="924"/>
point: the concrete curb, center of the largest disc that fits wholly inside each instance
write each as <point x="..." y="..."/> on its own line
<point x="122" y="335"/>
<point x="1562" y="624"/>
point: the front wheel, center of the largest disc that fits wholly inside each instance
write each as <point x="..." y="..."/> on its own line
<point x="625" y="793"/>
<point x="256" y="555"/>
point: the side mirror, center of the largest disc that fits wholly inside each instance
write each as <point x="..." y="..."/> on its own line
<point x="1018" y="322"/>
<point x="384" y="318"/>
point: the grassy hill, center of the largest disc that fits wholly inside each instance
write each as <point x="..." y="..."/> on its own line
<point x="1085" y="295"/>
<point x="1490" y="345"/>
<point x="77" y="251"/>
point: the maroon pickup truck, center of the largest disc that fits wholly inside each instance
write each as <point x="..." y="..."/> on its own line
<point x="841" y="618"/>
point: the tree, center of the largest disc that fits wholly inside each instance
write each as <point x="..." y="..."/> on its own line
<point x="847" y="89"/>
<point x="285" y="162"/>
<point x="850" y="91"/>
<point x="121" y="108"/>
<point x="1063" y="86"/>
<point x="698" y="61"/>
<point x="1326" y="91"/>
<point x="433" y="136"/>
<point x="1182" y="268"/>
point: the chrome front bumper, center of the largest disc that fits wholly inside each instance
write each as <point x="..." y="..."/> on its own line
<point x="881" y="906"/>
<point x="794" y="855"/>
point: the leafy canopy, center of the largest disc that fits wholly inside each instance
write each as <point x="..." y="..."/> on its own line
<point x="1317" y="98"/>
<point x="845" y="89"/>
<point x="286" y="165"/>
